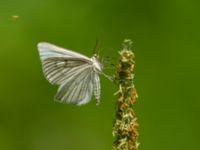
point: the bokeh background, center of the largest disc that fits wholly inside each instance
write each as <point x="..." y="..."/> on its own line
<point x="166" y="39"/>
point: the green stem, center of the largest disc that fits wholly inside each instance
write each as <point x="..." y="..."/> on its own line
<point x="125" y="124"/>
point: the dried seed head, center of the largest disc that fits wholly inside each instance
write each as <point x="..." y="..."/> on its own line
<point x="125" y="125"/>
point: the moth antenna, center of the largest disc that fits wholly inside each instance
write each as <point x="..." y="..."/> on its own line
<point x="96" y="46"/>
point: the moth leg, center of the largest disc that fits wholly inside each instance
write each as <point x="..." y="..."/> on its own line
<point x="108" y="77"/>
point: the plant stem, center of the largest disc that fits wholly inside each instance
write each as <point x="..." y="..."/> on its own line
<point x="125" y="124"/>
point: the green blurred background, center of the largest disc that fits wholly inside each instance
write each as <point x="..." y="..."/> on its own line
<point x="166" y="39"/>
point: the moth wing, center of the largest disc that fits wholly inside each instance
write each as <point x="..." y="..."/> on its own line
<point x="48" y="50"/>
<point x="59" y="64"/>
<point x="78" y="90"/>
<point x="97" y="87"/>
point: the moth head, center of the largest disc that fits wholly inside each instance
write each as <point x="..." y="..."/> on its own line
<point x="96" y="56"/>
<point x="96" y="63"/>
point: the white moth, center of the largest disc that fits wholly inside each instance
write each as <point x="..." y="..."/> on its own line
<point x="76" y="74"/>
